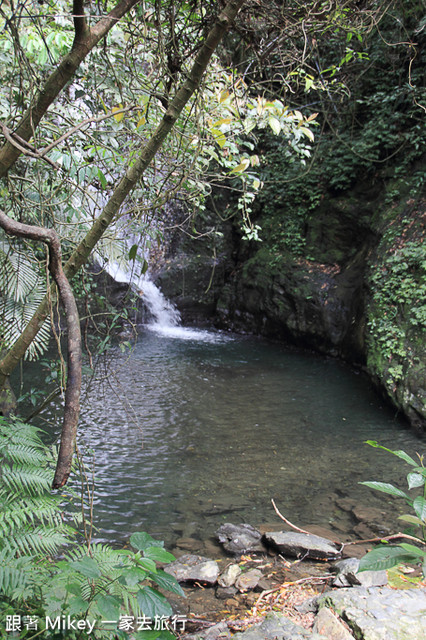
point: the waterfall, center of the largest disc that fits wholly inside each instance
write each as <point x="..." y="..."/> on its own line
<point x="164" y="313"/>
<point x="164" y="317"/>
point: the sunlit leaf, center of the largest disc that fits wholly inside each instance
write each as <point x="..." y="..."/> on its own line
<point x="385" y="488"/>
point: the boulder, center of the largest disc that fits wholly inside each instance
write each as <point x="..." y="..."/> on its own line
<point x="192" y="568"/>
<point x="276" y="626"/>
<point x="299" y="545"/>
<point x="328" y="625"/>
<point x="248" y="580"/>
<point x="240" y="539"/>
<point x="228" y="577"/>
<point x="347" y="575"/>
<point x="380" y="613"/>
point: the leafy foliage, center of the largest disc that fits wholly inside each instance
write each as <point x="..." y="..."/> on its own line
<point x="387" y="556"/>
<point x="94" y="582"/>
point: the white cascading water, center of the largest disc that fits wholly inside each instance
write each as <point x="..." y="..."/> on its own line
<point x="165" y="318"/>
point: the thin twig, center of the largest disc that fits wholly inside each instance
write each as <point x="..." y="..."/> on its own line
<point x="293" y="526"/>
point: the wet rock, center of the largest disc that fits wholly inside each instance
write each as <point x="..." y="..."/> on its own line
<point x="188" y="544"/>
<point x="347" y="575"/>
<point x="248" y="580"/>
<point x="240" y="539"/>
<point x="328" y="625"/>
<point x="223" y="593"/>
<point x="192" y="568"/>
<point x="277" y="626"/>
<point x="380" y="613"/>
<point x="303" y="545"/>
<point x="228" y="577"/>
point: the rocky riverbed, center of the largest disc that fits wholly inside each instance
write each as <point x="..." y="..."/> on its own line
<point x="265" y="584"/>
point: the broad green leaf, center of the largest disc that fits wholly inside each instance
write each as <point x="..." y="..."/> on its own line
<point x="168" y="582"/>
<point x="275" y="124"/>
<point x="411" y="519"/>
<point x="87" y="567"/>
<point x="147" y="564"/>
<point x="415" y="480"/>
<point x="385" y="488"/>
<point x="152" y="603"/>
<point x="146" y="635"/>
<point x="419" y="506"/>
<point x="416" y="551"/>
<point x="74" y="588"/>
<point x="399" y="453"/>
<point x="77" y="606"/>
<point x="158" y="554"/>
<point x="142" y="540"/>
<point x="383" y="558"/>
<point x="109" y="607"/>
<point x="145" y="267"/>
<point x="133" y="576"/>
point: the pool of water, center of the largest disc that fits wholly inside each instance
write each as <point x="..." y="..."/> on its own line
<point x="194" y="428"/>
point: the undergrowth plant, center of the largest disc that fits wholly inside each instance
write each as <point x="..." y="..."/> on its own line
<point x="51" y="586"/>
<point x="391" y="555"/>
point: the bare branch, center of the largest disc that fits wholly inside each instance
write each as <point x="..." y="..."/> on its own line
<point x="72" y="394"/>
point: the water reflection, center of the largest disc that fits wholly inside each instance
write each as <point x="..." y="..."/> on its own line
<point x="189" y="433"/>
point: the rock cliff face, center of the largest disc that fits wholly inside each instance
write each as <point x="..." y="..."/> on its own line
<point x="358" y="291"/>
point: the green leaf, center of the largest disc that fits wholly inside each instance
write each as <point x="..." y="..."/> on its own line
<point x="109" y="607"/>
<point x="415" y="480"/>
<point x="133" y="576"/>
<point x="383" y="558"/>
<point x="275" y="124"/>
<point x="308" y="133"/>
<point x="133" y="251"/>
<point x="168" y="582"/>
<point x="74" y="588"/>
<point x="419" y="506"/>
<point x="152" y="603"/>
<point x="148" y="564"/>
<point x="102" y="179"/>
<point x="415" y="551"/>
<point x="142" y="541"/>
<point x="146" y="635"/>
<point x="385" y="487"/>
<point x="411" y="519"/>
<point x="87" y="567"/>
<point x="219" y="137"/>
<point x="77" y="606"/>
<point x="399" y="453"/>
<point x="159" y="554"/>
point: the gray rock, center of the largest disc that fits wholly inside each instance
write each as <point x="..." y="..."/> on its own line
<point x="223" y="593"/>
<point x="228" y="577"/>
<point x="328" y="625"/>
<point x="217" y="632"/>
<point x="248" y="580"/>
<point x="381" y="613"/>
<point x="347" y="575"/>
<point x="301" y="544"/>
<point x="192" y="568"/>
<point x="275" y="626"/>
<point x="240" y="539"/>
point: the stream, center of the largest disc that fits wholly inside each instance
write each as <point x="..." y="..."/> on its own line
<point x="197" y="428"/>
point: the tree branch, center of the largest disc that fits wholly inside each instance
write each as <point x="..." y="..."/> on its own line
<point x="133" y="174"/>
<point x="85" y="40"/>
<point x="72" y="394"/>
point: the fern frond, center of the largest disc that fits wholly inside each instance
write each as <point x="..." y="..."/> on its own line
<point x="22" y="286"/>
<point x="26" y="479"/>
<point x="41" y="540"/>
